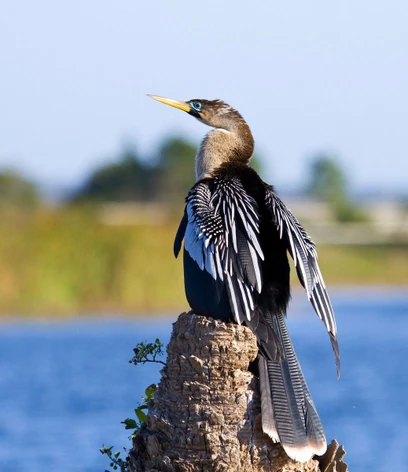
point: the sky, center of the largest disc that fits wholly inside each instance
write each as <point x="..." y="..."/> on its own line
<point x="309" y="77"/>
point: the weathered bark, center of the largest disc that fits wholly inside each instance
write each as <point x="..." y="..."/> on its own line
<point x="206" y="412"/>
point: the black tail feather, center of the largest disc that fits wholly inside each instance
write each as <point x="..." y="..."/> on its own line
<point x="288" y="412"/>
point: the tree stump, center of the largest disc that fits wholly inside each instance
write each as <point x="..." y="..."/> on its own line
<point x="206" y="414"/>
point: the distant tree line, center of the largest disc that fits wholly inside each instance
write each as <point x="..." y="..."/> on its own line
<point x="18" y="191"/>
<point x="165" y="176"/>
<point x="327" y="182"/>
<point x="168" y="175"/>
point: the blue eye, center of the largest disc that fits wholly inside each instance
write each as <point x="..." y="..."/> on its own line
<point x="196" y="106"/>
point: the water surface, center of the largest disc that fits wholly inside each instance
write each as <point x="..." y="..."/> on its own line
<point x="65" y="387"/>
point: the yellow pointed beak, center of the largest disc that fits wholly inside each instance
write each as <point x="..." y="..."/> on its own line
<point x="170" y="101"/>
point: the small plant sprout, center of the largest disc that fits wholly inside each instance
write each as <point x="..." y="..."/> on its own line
<point x="147" y="352"/>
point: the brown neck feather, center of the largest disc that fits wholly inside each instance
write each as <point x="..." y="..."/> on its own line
<point x="231" y="141"/>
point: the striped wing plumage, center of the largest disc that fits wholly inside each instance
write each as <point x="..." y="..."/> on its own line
<point x="303" y="251"/>
<point x="222" y="238"/>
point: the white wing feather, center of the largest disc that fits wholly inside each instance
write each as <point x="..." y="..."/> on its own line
<point x="211" y="238"/>
<point x="303" y="252"/>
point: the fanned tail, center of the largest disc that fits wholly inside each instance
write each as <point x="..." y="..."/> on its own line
<point x="288" y="412"/>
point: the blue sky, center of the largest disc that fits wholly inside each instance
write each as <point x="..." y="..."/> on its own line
<point x="307" y="76"/>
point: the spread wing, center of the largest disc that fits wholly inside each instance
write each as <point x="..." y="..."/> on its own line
<point x="221" y="236"/>
<point x="303" y="251"/>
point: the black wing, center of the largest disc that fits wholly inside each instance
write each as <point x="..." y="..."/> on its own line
<point x="221" y="236"/>
<point x="303" y="251"/>
<point x="180" y="235"/>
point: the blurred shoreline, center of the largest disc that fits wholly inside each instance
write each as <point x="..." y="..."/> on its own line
<point x="65" y="260"/>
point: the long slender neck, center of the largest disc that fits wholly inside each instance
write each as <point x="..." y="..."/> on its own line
<point x="230" y="143"/>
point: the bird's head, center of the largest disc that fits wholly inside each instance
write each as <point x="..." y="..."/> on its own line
<point x="214" y="113"/>
<point x="230" y="141"/>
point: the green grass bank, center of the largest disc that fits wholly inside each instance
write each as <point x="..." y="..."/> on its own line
<point x="67" y="261"/>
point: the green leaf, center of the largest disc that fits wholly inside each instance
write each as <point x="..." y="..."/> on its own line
<point x="106" y="450"/>
<point x="141" y="416"/>
<point x="129" y="423"/>
<point x="150" y="391"/>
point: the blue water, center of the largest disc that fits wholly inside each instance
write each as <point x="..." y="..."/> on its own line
<point x="65" y="387"/>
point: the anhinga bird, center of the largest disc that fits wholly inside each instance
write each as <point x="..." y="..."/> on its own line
<point x="237" y="233"/>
